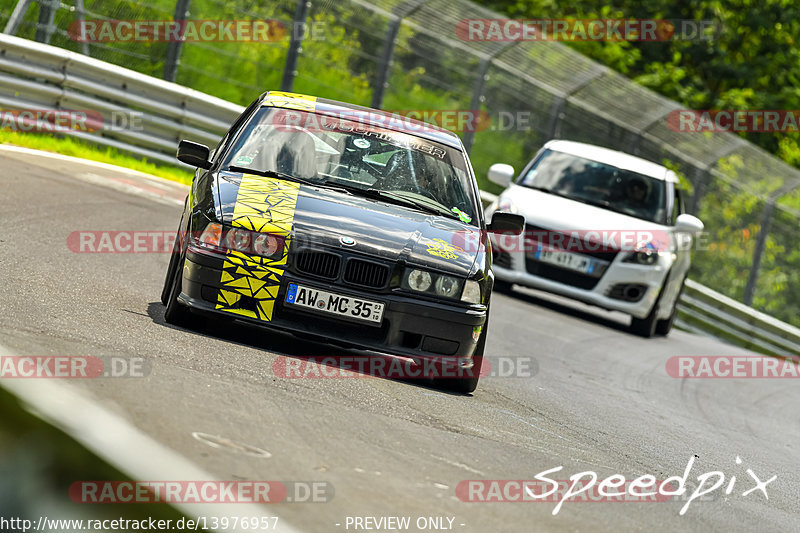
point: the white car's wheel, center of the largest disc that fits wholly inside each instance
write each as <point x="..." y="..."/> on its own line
<point x="663" y="327"/>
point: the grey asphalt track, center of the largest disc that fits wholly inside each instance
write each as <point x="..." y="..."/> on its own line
<point x="601" y="400"/>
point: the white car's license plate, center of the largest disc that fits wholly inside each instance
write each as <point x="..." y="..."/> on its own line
<point x="335" y="304"/>
<point x="568" y="260"/>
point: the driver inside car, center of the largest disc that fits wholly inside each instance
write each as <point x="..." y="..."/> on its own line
<point x="409" y="171"/>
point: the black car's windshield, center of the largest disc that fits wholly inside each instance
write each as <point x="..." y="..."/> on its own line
<point x="375" y="162"/>
<point x="598" y="184"/>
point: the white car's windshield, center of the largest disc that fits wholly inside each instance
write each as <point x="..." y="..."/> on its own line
<point x="367" y="160"/>
<point x="599" y="184"/>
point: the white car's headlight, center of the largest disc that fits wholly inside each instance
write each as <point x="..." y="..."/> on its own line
<point x="506" y="205"/>
<point x="645" y="253"/>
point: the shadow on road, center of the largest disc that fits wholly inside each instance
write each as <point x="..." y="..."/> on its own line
<point x="287" y="345"/>
<point x="568" y="308"/>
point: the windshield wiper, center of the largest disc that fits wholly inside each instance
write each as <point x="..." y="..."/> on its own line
<point x="269" y="174"/>
<point x="387" y="196"/>
<point x="287" y="177"/>
<point x="549" y="191"/>
<point x="597" y="203"/>
<point x="581" y="199"/>
<point x="421" y="205"/>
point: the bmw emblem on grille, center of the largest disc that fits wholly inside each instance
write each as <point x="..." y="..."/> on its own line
<point x="347" y="241"/>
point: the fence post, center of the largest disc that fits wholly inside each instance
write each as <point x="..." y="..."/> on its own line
<point x="554" y="127"/>
<point x="703" y="176"/>
<point x="477" y="92"/>
<point x="292" y="56"/>
<point x="174" y="48"/>
<point x="80" y="11"/>
<point x="387" y="54"/>
<point x="47" y="14"/>
<point x="761" y="241"/>
<point x="758" y="253"/>
<point x="16" y="17"/>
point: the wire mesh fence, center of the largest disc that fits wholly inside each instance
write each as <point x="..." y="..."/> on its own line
<point x="407" y="56"/>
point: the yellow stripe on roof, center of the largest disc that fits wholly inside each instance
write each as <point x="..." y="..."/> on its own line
<point x="286" y="100"/>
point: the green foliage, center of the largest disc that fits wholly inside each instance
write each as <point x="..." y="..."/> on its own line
<point x="750" y="61"/>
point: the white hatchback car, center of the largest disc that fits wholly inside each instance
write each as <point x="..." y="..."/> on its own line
<point x="602" y="227"/>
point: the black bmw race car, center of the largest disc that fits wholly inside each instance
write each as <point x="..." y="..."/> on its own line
<point x="342" y="223"/>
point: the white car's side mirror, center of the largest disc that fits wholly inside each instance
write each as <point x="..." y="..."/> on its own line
<point x="501" y="174"/>
<point x="686" y="223"/>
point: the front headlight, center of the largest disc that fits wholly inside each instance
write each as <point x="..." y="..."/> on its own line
<point x="419" y="280"/>
<point x="447" y="286"/>
<point x="219" y="238"/>
<point x="506" y="205"/>
<point x="211" y="236"/>
<point x="645" y="253"/>
<point x="472" y="292"/>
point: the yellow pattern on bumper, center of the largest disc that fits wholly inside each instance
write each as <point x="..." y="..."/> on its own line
<point x="264" y="205"/>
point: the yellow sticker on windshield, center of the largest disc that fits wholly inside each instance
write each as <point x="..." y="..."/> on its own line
<point x="442" y="248"/>
<point x="286" y="100"/>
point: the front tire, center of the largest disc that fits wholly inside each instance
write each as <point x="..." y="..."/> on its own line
<point x="645" y="327"/>
<point x="663" y="327"/>
<point x="173" y="262"/>
<point x="176" y="313"/>
<point x="503" y="287"/>
<point x="468" y="384"/>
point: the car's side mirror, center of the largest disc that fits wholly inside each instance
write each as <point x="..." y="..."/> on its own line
<point x="501" y="174"/>
<point x="503" y="222"/>
<point x="194" y="154"/>
<point x="686" y="223"/>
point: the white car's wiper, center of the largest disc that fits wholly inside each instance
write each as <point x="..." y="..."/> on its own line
<point x="597" y="203"/>
<point x="548" y="191"/>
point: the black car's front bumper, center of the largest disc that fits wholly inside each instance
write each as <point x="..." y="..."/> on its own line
<point x="410" y="326"/>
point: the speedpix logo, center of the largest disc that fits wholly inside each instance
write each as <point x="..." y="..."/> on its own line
<point x="587" y="487"/>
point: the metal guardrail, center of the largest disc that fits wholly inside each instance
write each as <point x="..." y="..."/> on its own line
<point x="157" y="114"/>
<point x="43" y="77"/>
<point x="702" y="310"/>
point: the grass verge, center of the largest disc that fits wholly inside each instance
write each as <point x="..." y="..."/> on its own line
<point x="82" y="149"/>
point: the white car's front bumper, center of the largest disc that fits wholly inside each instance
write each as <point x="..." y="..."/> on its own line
<point x="651" y="277"/>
